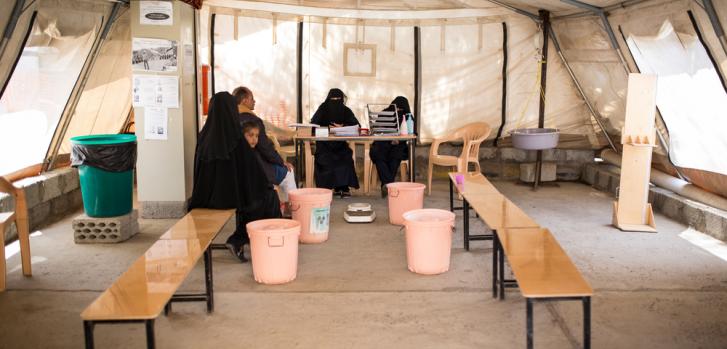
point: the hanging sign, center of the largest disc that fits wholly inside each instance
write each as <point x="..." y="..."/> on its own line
<point x="156" y="13"/>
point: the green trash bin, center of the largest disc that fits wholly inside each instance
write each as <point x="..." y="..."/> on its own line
<point x="106" y="172"/>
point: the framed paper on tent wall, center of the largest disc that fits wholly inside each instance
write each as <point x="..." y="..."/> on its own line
<point x="359" y="60"/>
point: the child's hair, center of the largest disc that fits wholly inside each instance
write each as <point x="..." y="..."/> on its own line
<point x="249" y="126"/>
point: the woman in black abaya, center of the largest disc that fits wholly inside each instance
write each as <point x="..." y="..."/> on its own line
<point x="333" y="162"/>
<point x="228" y="175"/>
<point x="388" y="155"/>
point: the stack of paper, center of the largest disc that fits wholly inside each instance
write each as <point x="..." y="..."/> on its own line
<point x="347" y="131"/>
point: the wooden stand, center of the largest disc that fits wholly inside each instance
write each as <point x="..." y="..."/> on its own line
<point x="632" y="212"/>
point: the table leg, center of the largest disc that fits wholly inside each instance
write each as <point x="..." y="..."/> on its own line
<point x="209" y="285"/>
<point x="412" y="160"/>
<point x="529" y="322"/>
<point x="466" y="224"/>
<point x="367" y="167"/>
<point x="501" y="270"/>
<point x="308" y="165"/>
<point x="451" y="196"/>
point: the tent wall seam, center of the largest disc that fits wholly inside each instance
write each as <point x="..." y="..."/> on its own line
<point x="10" y="27"/>
<point x="707" y="49"/>
<point x="503" y="107"/>
<point x="20" y="51"/>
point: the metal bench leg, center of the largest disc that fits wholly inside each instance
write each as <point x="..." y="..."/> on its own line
<point x="208" y="280"/>
<point x="501" y="270"/>
<point x="586" y="322"/>
<point x="466" y="223"/>
<point x="495" y="252"/>
<point x="88" y="333"/>
<point x="149" y="333"/>
<point x="529" y="322"/>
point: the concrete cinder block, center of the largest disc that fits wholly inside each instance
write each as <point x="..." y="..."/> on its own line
<point x="163" y="209"/>
<point x="89" y="230"/>
<point x="491" y="169"/>
<point x="487" y="153"/>
<point x="510" y="170"/>
<point x="52" y="186"/>
<point x="569" y="172"/>
<point x="589" y="174"/>
<point x="33" y="190"/>
<point x="71" y="180"/>
<point x="579" y="155"/>
<point x="513" y="154"/>
<point x="7" y="202"/>
<point x="547" y="174"/>
<point x="38" y="215"/>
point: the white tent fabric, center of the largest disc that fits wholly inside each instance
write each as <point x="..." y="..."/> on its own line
<point x="246" y="55"/>
<point x="324" y="68"/>
<point x="38" y="90"/>
<point x="690" y="96"/>
<point x="106" y="100"/>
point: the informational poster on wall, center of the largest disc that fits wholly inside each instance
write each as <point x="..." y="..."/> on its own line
<point x="155" y="123"/>
<point x="153" y="55"/>
<point x="319" y="217"/>
<point x="155" y="91"/>
<point x="156" y="13"/>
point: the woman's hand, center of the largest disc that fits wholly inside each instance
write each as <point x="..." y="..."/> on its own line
<point x="289" y="166"/>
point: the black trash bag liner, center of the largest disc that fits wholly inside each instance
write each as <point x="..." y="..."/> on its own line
<point x="109" y="157"/>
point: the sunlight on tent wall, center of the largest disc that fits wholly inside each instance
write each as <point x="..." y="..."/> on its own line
<point x="690" y="96"/>
<point x="105" y="101"/>
<point x="39" y="88"/>
<point x="323" y="67"/>
<point x="252" y="59"/>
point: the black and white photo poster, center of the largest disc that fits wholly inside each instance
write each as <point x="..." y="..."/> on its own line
<point x="153" y="55"/>
<point x="156" y="13"/>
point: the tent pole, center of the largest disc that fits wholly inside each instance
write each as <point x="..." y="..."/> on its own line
<point x="10" y="27"/>
<point x="516" y="10"/>
<point x="716" y="25"/>
<point x="707" y="49"/>
<point x="545" y="20"/>
<point x="596" y="116"/>
<point x="70" y="108"/>
<point x="503" y="108"/>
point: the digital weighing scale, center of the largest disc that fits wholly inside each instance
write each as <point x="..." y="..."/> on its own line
<point x="359" y="213"/>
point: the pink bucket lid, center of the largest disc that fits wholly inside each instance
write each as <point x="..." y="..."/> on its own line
<point x="428" y="215"/>
<point x="276" y="226"/>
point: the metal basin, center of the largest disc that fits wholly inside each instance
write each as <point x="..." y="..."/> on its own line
<point x="535" y="138"/>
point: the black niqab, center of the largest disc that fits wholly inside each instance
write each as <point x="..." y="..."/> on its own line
<point x="334" y="111"/>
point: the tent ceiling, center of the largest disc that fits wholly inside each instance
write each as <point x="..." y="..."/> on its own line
<point x="555" y="6"/>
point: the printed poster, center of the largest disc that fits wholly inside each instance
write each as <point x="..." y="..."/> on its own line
<point x="319" y="217"/>
<point x="156" y="123"/>
<point x="155" y="91"/>
<point x="156" y="13"/>
<point x="153" y="55"/>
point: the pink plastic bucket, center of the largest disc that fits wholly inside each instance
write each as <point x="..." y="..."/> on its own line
<point x="403" y="197"/>
<point x="428" y="240"/>
<point x="274" y="250"/>
<point x="311" y="207"/>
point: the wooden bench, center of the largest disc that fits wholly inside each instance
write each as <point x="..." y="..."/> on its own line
<point x="149" y="285"/>
<point x="543" y="272"/>
<point x="493" y="208"/>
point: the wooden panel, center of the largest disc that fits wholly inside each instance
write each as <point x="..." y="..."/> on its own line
<point x="540" y="265"/>
<point x="200" y="223"/>
<point x="143" y="290"/>
<point x="498" y="212"/>
<point x="640" y="106"/>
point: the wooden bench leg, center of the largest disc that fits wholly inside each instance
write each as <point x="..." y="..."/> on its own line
<point x="501" y="272"/>
<point x="88" y="333"/>
<point x="495" y="253"/>
<point x="451" y="196"/>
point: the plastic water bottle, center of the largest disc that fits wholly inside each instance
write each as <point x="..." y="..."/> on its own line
<point x="410" y="123"/>
<point x="403" y="129"/>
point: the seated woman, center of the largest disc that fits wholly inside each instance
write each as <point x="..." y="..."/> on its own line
<point x="333" y="160"/>
<point x="281" y="175"/>
<point x="227" y="173"/>
<point x="388" y="155"/>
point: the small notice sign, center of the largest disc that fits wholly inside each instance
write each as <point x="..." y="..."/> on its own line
<point x="156" y="13"/>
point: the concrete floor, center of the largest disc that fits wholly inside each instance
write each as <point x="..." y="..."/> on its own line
<point x="354" y="291"/>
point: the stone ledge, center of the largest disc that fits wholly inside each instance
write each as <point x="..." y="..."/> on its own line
<point x="50" y="197"/>
<point x="704" y="218"/>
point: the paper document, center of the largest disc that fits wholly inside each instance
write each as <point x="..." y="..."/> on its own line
<point x="345" y="130"/>
<point x="303" y="124"/>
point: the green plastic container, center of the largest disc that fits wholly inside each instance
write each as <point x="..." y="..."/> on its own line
<point x="105" y="193"/>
